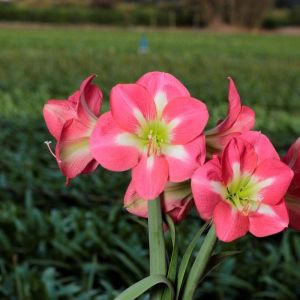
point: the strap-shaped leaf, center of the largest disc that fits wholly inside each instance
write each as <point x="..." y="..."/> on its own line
<point x="143" y="286"/>
<point x="174" y="258"/>
<point x="216" y="260"/>
<point x="186" y="258"/>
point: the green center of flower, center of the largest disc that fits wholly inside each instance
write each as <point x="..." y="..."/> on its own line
<point x="154" y="135"/>
<point x="242" y="194"/>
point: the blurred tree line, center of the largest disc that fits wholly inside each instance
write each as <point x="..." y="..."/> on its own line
<point x="196" y="13"/>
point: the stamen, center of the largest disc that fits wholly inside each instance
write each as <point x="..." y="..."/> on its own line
<point x="51" y="151"/>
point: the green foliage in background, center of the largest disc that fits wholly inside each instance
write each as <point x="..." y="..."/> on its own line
<point x="77" y="242"/>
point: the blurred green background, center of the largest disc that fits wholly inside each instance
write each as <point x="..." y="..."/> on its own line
<point x="78" y="242"/>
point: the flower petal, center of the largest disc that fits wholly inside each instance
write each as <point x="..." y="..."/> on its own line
<point x="186" y="117"/>
<point x="177" y="200"/>
<point x="163" y="87"/>
<point x="131" y="105"/>
<point x="292" y="158"/>
<point x="91" y="95"/>
<point x="274" y="178"/>
<point x="230" y="224"/>
<point x="73" y="151"/>
<point x="135" y="204"/>
<point x="150" y="176"/>
<point x="293" y="205"/>
<point x="113" y="148"/>
<point x="234" y="108"/>
<point x="238" y="157"/>
<point x="207" y="188"/>
<point x="269" y="219"/>
<point x="56" y="113"/>
<point x="262" y="145"/>
<point x="184" y="159"/>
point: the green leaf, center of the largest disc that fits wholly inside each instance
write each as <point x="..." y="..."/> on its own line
<point x="174" y="258"/>
<point x="144" y="285"/>
<point x="216" y="260"/>
<point x="186" y="258"/>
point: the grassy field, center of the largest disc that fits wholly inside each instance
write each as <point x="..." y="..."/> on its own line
<point x="77" y="242"/>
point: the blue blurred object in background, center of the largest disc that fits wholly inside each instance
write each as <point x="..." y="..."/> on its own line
<point x="143" y="45"/>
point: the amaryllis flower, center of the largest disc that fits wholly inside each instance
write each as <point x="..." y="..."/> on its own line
<point x="292" y="197"/>
<point x="243" y="190"/>
<point x="154" y="128"/>
<point x="240" y="118"/>
<point x="176" y="201"/>
<point x="71" y="123"/>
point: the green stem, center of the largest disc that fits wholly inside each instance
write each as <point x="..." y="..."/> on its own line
<point x="200" y="264"/>
<point x="156" y="244"/>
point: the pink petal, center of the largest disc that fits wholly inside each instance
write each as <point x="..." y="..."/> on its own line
<point x="292" y="158"/>
<point x="184" y="159"/>
<point x="177" y="200"/>
<point x="262" y="145"/>
<point x="238" y="157"/>
<point x="150" y="176"/>
<point x="73" y="151"/>
<point x="187" y="118"/>
<point x="91" y="94"/>
<point x="244" y="122"/>
<point x="135" y="204"/>
<point x="108" y="150"/>
<point x="163" y="87"/>
<point x="56" y="113"/>
<point x="234" y="108"/>
<point x="293" y="205"/>
<point x="207" y="187"/>
<point x="230" y="224"/>
<point x="269" y="219"/>
<point x="274" y="177"/>
<point x="131" y="105"/>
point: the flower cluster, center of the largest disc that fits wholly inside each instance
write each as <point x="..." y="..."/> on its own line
<point x="156" y="129"/>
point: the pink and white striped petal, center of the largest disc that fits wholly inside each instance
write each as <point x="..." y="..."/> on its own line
<point x="114" y="148"/>
<point x="238" y="157"/>
<point x="131" y="105"/>
<point x="186" y="118"/>
<point x="163" y="87"/>
<point x="207" y="187"/>
<point x="269" y="219"/>
<point x="72" y="151"/>
<point x="230" y="224"/>
<point x="150" y="176"/>
<point x="183" y="160"/>
<point x="262" y="145"/>
<point x="274" y="178"/>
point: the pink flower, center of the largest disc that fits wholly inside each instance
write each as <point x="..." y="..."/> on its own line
<point x="176" y="201"/>
<point x="239" y="119"/>
<point x="243" y="190"/>
<point x="292" y="197"/>
<point x="71" y="123"/>
<point x="154" y="128"/>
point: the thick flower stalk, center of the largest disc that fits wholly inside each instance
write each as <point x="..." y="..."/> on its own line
<point x="244" y="189"/>
<point x="154" y="128"/>
<point x="240" y="119"/>
<point x="71" y="123"/>
<point x="176" y="201"/>
<point x="292" y="159"/>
